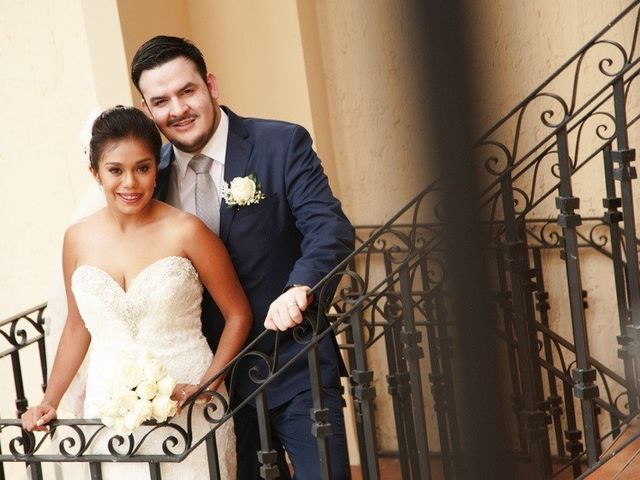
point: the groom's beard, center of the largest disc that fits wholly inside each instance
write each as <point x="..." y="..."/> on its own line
<point x="196" y="145"/>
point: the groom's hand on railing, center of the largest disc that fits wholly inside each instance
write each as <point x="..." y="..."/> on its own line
<point x="285" y="311"/>
<point x="37" y="417"/>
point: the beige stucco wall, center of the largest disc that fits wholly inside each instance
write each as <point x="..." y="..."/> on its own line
<point x="170" y="17"/>
<point x="51" y="79"/>
<point x="55" y="71"/>
<point x="519" y="44"/>
<point x="379" y="141"/>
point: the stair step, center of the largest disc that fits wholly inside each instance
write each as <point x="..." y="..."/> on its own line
<point x="625" y="464"/>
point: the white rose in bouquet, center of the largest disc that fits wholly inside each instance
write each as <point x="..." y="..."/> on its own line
<point x="132" y="375"/>
<point x="108" y="412"/>
<point x="108" y="421"/>
<point x="153" y="370"/>
<point x="132" y="421"/>
<point x="146" y="390"/>
<point x="166" y="385"/>
<point x="125" y="400"/>
<point x="120" y="428"/>
<point x="143" y="409"/>
<point x="163" y="407"/>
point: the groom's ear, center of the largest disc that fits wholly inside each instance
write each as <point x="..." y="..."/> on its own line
<point x="212" y="85"/>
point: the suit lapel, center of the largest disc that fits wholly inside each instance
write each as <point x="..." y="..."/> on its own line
<point x="239" y="150"/>
<point x="173" y="192"/>
<point x="163" y="179"/>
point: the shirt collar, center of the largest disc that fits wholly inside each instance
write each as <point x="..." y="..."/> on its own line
<point x="215" y="148"/>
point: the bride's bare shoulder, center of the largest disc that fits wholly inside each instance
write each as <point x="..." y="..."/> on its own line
<point x="85" y="227"/>
<point x="164" y="210"/>
<point x="176" y="217"/>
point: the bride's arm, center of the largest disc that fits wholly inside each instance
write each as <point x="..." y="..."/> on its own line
<point x="72" y="349"/>
<point x="211" y="259"/>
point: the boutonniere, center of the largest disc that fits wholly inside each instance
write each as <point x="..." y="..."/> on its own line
<point x="242" y="191"/>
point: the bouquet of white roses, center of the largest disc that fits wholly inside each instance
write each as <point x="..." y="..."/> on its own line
<point x="139" y="390"/>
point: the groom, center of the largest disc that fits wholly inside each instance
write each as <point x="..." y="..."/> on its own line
<point x="282" y="240"/>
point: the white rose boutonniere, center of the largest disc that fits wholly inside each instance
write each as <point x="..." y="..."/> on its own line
<point x="138" y="390"/>
<point x="242" y="191"/>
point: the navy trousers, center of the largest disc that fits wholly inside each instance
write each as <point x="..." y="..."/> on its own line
<point x="291" y="425"/>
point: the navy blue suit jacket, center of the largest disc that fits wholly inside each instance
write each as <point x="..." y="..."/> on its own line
<point x="295" y="235"/>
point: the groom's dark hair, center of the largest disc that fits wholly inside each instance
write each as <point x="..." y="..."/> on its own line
<point x="162" y="49"/>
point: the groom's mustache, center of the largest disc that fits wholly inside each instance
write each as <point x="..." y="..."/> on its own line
<point x="191" y="116"/>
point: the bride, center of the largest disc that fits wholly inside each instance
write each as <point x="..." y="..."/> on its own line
<point x="133" y="275"/>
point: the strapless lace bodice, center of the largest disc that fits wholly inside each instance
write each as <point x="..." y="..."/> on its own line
<point x="164" y="294"/>
<point x="159" y="312"/>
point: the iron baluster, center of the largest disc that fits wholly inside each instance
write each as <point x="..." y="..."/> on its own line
<point x="445" y="353"/>
<point x="95" y="470"/>
<point x="357" y="411"/>
<point x="412" y="353"/>
<point x="34" y="468"/>
<point x="154" y="471"/>
<point x="440" y="376"/>
<point x="398" y="381"/>
<point x="35" y="471"/>
<point x="267" y="456"/>
<point x="572" y="434"/>
<point x="508" y="319"/>
<point x="42" y="350"/>
<point x="364" y="394"/>
<point x="613" y="217"/>
<point x="533" y="419"/>
<point x="528" y="287"/>
<point x="322" y="427"/>
<point x="625" y="173"/>
<point x="584" y="375"/>
<point x="554" y="400"/>
<point x="212" y="456"/>
<point x="21" y="401"/>
<point x="398" y="388"/>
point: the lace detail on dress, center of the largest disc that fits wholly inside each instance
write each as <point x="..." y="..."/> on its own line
<point x="127" y="309"/>
<point x="160" y="312"/>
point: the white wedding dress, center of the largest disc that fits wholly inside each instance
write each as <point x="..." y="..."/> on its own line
<point x="159" y="312"/>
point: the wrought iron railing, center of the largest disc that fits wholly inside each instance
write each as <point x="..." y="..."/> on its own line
<point x="366" y="310"/>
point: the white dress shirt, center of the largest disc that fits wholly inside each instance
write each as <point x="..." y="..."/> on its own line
<point x="216" y="148"/>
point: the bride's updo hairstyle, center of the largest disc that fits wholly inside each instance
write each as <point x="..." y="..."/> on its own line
<point x="119" y="123"/>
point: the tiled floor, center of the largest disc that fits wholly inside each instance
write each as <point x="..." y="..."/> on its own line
<point x="623" y="456"/>
<point x="390" y="470"/>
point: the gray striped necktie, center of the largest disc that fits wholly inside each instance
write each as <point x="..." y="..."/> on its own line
<point x="207" y="201"/>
